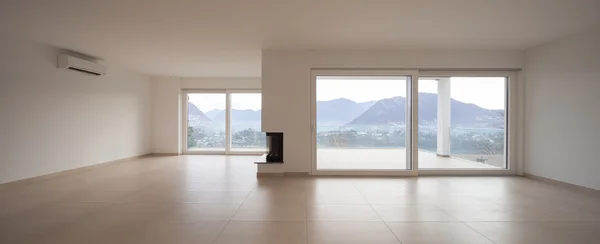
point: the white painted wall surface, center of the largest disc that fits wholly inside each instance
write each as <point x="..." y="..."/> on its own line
<point x="563" y="110"/>
<point x="286" y="84"/>
<point x="166" y="95"/>
<point x="53" y="120"/>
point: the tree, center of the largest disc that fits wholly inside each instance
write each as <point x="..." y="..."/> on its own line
<point x="494" y="144"/>
<point x="191" y="141"/>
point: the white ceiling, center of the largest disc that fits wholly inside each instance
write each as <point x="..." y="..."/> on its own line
<point x="224" y="37"/>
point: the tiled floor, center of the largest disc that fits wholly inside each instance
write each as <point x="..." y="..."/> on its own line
<point x="217" y="199"/>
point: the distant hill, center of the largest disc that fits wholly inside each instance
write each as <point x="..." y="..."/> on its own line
<point x="195" y="112"/>
<point x="367" y="105"/>
<point x="385" y="111"/>
<point x="342" y="111"/>
<point x="338" y="111"/>
<point x="392" y="110"/>
<point x="239" y="115"/>
<point x="213" y="113"/>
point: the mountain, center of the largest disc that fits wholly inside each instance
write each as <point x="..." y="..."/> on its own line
<point x="213" y="113"/>
<point x="193" y="111"/>
<point x="392" y="110"/>
<point x="338" y="111"/>
<point x="367" y="105"/>
<point x="239" y="115"/>
<point x="342" y="111"/>
<point x="389" y="110"/>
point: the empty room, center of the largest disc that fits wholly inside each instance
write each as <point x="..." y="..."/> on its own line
<point x="300" y="122"/>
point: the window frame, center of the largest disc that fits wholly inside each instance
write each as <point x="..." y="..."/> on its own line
<point x="512" y="112"/>
<point x="411" y="115"/>
<point x="510" y="122"/>
<point x="184" y="122"/>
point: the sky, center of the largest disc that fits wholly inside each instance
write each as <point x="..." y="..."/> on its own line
<point x="209" y="101"/>
<point x="485" y="92"/>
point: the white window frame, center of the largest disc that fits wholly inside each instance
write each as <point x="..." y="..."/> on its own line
<point x="510" y="123"/>
<point x="184" y="122"/>
<point x="512" y="120"/>
<point x="412" y="110"/>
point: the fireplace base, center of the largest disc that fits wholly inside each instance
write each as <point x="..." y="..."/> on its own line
<point x="263" y="160"/>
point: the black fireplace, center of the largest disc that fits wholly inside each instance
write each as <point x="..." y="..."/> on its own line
<point x="275" y="147"/>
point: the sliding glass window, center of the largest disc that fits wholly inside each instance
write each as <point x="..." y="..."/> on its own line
<point x="223" y="122"/>
<point x="462" y="122"/>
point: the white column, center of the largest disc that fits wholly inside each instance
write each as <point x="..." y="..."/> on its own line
<point x="443" y="117"/>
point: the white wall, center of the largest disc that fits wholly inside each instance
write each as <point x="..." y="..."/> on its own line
<point x="166" y="119"/>
<point x="54" y="120"/>
<point x="286" y="84"/>
<point x="563" y="114"/>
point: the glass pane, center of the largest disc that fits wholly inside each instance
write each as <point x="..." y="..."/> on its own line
<point x="246" y="132"/>
<point x="477" y="123"/>
<point x="427" y="116"/>
<point x="361" y="122"/>
<point x="461" y="122"/>
<point x="206" y="122"/>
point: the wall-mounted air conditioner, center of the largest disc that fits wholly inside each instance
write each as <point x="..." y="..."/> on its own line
<point x="72" y="63"/>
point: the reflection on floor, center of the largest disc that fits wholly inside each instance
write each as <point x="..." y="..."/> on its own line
<point x="356" y="159"/>
<point x="217" y="199"/>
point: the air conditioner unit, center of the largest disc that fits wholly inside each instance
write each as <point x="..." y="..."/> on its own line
<point x="72" y="63"/>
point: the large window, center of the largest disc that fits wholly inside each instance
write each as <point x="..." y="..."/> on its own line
<point x="362" y="122"/>
<point x="245" y="130"/>
<point x="223" y="122"/>
<point x="206" y="122"/>
<point x="462" y="122"/>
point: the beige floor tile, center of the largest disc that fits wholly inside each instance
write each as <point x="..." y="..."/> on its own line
<point x="335" y="198"/>
<point x="270" y="212"/>
<point x="67" y="211"/>
<point x="551" y="211"/>
<point x="330" y="185"/>
<point x="350" y="232"/>
<point x="29" y="231"/>
<point x="199" y="212"/>
<point x="436" y="232"/>
<point x="490" y="212"/>
<point x="215" y="197"/>
<point x="412" y="213"/>
<point x="190" y="197"/>
<point x="131" y="212"/>
<point x="577" y="232"/>
<point x="277" y="196"/>
<point x="521" y="232"/>
<point x="263" y="233"/>
<point x="102" y="196"/>
<point x="400" y="199"/>
<point x="341" y="213"/>
<point x="182" y="233"/>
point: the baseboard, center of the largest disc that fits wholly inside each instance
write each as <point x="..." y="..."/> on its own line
<point x="163" y="154"/>
<point x="260" y="174"/>
<point x="296" y="174"/>
<point x="562" y="183"/>
<point x="284" y="174"/>
<point x="68" y="171"/>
